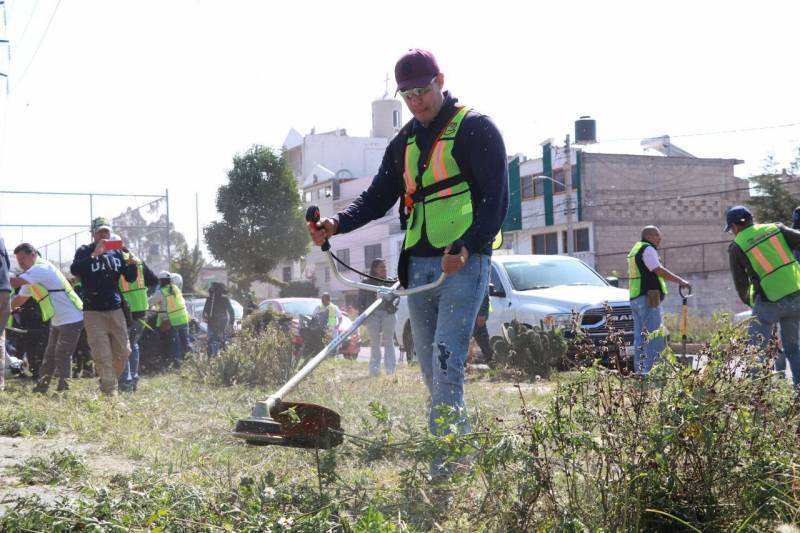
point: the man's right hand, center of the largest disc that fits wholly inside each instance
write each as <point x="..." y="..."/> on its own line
<point x="99" y="248"/>
<point x="684" y="284"/>
<point x="322" y="230"/>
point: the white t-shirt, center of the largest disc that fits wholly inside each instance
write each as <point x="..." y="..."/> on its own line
<point x="650" y="258"/>
<point x="45" y="274"/>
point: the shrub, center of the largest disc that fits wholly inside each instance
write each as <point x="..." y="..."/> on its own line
<point x="257" y="359"/>
<point x="533" y="351"/>
<point x="60" y="466"/>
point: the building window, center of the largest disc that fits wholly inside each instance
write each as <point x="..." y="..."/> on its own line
<point x="526" y="187"/>
<point x="545" y="244"/>
<point x="558" y="178"/>
<point x="287" y="274"/>
<point x="344" y="255"/>
<point x="396" y="118"/>
<point x="581" y="240"/>
<point x="328" y="191"/>
<point x="538" y="187"/>
<point x="307" y="196"/>
<point x="372" y="251"/>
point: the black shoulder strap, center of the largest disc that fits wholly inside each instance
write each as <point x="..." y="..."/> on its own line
<point x="399" y="156"/>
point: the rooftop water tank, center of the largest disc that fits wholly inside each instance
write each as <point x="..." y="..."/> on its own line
<point x="585" y="130"/>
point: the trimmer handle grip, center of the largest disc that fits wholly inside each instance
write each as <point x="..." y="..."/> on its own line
<point x="684" y="296"/>
<point x="312" y="217"/>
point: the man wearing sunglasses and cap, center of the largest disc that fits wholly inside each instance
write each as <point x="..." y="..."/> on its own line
<point x="448" y="168"/>
<point x="767" y="277"/>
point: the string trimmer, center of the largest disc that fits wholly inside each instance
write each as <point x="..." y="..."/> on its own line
<point x="275" y="421"/>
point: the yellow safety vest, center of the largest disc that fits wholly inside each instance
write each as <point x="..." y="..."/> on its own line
<point x="175" y="306"/>
<point x="635" y="276"/>
<point x="42" y="296"/>
<point x="135" y="293"/>
<point x="772" y="260"/>
<point x="331" y="314"/>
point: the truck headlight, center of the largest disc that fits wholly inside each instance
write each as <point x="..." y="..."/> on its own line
<point x="558" y="320"/>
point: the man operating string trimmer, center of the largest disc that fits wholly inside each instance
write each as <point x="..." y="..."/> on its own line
<point x="447" y="167"/>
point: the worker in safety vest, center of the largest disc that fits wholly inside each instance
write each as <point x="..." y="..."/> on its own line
<point x="135" y="294"/>
<point x="172" y="310"/>
<point x="330" y="314"/>
<point x="59" y="304"/>
<point x="761" y="256"/>
<point x="647" y="288"/>
<point x="448" y="168"/>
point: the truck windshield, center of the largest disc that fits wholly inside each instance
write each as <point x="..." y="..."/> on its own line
<point x="531" y="275"/>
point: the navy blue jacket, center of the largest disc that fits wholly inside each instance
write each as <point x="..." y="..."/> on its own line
<point x="100" y="277"/>
<point x="481" y="156"/>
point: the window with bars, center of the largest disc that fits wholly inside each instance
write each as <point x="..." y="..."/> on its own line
<point x="545" y="244"/>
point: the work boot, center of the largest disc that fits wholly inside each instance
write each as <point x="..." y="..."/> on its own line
<point x="42" y="385"/>
<point x="62" y="385"/>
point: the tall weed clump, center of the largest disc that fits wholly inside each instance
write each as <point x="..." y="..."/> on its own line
<point x="534" y="351"/>
<point x="681" y="449"/>
<point x="256" y="357"/>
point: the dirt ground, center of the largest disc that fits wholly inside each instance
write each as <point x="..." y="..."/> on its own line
<point x="18" y="450"/>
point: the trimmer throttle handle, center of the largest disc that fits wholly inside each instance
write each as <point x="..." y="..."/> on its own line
<point x="312" y="217"/>
<point x="455" y="248"/>
<point x="680" y="291"/>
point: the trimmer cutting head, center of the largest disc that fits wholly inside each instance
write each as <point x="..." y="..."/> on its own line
<point x="293" y="424"/>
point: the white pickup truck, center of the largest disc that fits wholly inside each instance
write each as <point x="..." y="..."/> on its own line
<point x="544" y="290"/>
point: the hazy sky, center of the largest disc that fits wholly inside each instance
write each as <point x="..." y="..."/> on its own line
<point x="122" y="97"/>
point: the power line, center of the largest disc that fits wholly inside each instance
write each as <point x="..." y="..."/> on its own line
<point x="39" y="44"/>
<point x="25" y="31"/>
<point x="703" y="134"/>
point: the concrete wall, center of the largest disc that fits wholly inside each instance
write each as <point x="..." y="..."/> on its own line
<point x="685" y="197"/>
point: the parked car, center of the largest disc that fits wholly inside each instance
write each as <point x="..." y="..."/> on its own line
<point x="545" y="290"/>
<point x="307" y="307"/>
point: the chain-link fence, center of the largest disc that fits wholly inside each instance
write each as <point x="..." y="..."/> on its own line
<point x="58" y="223"/>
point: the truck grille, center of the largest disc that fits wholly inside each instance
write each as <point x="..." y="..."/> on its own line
<point x="595" y="321"/>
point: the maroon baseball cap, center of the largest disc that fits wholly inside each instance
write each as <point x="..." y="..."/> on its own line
<point x="416" y="68"/>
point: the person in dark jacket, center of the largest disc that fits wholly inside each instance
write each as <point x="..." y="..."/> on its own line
<point x="380" y="324"/>
<point x="218" y="314"/>
<point x="448" y="168"/>
<point x="5" y="307"/>
<point x="100" y="268"/>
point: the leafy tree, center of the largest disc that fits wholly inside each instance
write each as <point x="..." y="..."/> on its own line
<point x="262" y="221"/>
<point x="188" y="265"/>
<point x="147" y="238"/>
<point x="775" y="192"/>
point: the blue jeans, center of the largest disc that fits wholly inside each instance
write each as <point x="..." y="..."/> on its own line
<point x="216" y="341"/>
<point x="180" y="341"/>
<point x="131" y="372"/>
<point x="645" y="321"/>
<point x="786" y="312"/>
<point x="381" y="322"/>
<point x="441" y="324"/>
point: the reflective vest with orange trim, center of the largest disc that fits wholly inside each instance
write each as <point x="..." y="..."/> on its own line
<point x="135" y="293"/>
<point x="440" y="200"/>
<point x="42" y="296"/>
<point x="772" y="260"/>
<point x="175" y="307"/>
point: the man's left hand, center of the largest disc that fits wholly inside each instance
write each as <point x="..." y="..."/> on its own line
<point x="454" y="263"/>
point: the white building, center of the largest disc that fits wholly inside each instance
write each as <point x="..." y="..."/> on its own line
<point x="332" y="169"/>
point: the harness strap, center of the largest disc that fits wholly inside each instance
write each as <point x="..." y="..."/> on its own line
<point x="420" y="194"/>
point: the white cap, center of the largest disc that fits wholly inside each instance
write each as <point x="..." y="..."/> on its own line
<point x="164" y="275"/>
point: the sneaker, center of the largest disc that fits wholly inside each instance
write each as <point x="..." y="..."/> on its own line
<point x="62" y="385"/>
<point x="41" y="387"/>
<point x="126" y="386"/>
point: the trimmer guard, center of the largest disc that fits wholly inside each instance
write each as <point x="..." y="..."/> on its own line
<point x="296" y="425"/>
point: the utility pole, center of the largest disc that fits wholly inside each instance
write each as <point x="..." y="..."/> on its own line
<point x="197" y="219"/>
<point x="8" y="46"/>
<point x="568" y="185"/>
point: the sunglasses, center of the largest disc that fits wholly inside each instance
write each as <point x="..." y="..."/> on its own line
<point x="418" y="91"/>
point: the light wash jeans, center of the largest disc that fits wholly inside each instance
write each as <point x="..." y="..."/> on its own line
<point x="785" y="311"/>
<point x="130" y="375"/>
<point x="381" y="323"/>
<point x="441" y="324"/>
<point x="645" y="321"/>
